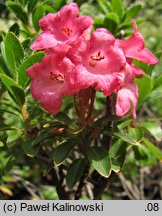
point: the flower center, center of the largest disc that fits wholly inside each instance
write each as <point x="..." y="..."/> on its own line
<point x="57" y="77"/>
<point x="98" y="57"/>
<point x="67" y="31"/>
<point x="94" y="59"/>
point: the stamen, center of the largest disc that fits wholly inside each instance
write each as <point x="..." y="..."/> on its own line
<point x="67" y="31"/>
<point x="98" y="57"/>
<point x="57" y="77"/>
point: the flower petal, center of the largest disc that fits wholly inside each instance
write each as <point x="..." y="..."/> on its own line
<point x="51" y="22"/>
<point x="126" y="97"/>
<point x="82" y="23"/>
<point x="69" y="11"/>
<point x="102" y="37"/>
<point x="44" y="41"/>
<point x="107" y="83"/>
<point x="51" y="103"/>
<point x="133" y="47"/>
<point x="136" y="71"/>
<point x="76" y="53"/>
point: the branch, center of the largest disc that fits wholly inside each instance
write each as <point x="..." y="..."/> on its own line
<point x="142" y="195"/>
<point x="101" y="182"/>
<point x="100" y="186"/>
<point x="58" y="177"/>
<point x="82" y="183"/>
<point x="62" y="193"/>
<point x="107" y="139"/>
<point x="128" y="188"/>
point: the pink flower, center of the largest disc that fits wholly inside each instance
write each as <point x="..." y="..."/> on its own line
<point x="134" y="47"/>
<point x="51" y="80"/>
<point x="99" y="63"/>
<point x="127" y="96"/>
<point x="62" y="27"/>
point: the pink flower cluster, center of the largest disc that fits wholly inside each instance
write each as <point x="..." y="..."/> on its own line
<point x="77" y="59"/>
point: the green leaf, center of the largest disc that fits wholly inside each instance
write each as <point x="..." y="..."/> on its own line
<point x="48" y="9"/>
<point x="10" y="164"/>
<point x="115" y="165"/>
<point x="3" y="51"/>
<point x="154" y="150"/>
<point x="26" y="44"/>
<point x="37" y="15"/>
<point x="158" y="82"/>
<point x="145" y="85"/>
<point x="141" y="153"/>
<point x="140" y="20"/>
<point x="13" y="52"/>
<point x="22" y="76"/>
<point x="127" y="138"/>
<point x="62" y="152"/>
<point x="135" y="133"/>
<point x="153" y="129"/>
<point x="63" y="118"/>
<point x="5" y="190"/>
<point x="15" y="29"/>
<point x="104" y="6"/>
<point x="3" y="67"/>
<point x="117" y="7"/>
<point x="59" y="3"/>
<point x="151" y="67"/>
<point x="25" y="32"/>
<point x="18" y="11"/>
<point x="133" y="11"/>
<point x="1" y="144"/>
<point x="128" y="24"/>
<point x="117" y="154"/>
<point x="26" y="2"/>
<point x="111" y="21"/>
<point x="141" y="65"/>
<point x="14" y="90"/>
<point x="100" y="160"/>
<point x="124" y="124"/>
<point x="23" y="2"/>
<point x="42" y="135"/>
<point x="155" y="94"/>
<point x="98" y="22"/>
<point x="75" y="172"/>
<point x="113" y="17"/>
<point x="29" y="149"/>
<point x="31" y="5"/>
<point x="1" y="37"/>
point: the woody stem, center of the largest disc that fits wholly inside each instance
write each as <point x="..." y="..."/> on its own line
<point x="76" y="105"/>
<point x="91" y="106"/>
<point x="107" y="139"/>
<point x="101" y="182"/>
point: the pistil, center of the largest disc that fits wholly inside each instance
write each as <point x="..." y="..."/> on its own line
<point x="57" y="77"/>
<point x="98" y="57"/>
<point x="67" y="31"/>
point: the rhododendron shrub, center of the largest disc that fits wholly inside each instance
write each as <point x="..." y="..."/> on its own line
<point x="80" y="88"/>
